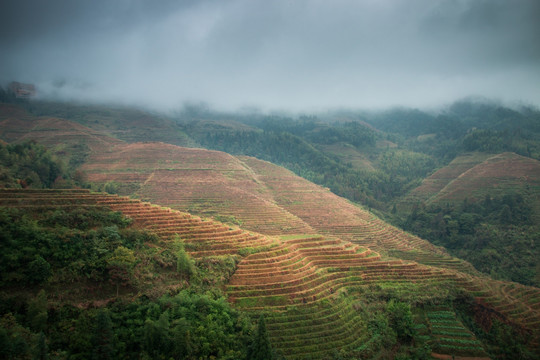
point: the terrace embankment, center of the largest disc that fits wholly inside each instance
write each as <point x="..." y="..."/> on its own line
<point x="300" y="281"/>
<point x="202" y="237"/>
<point x="203" y="182"/>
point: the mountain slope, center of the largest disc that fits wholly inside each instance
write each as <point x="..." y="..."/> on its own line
<point x="67" y="139"/>
<point x="125" y="123"/>
<point x="317" y="293"/>
<point x="208" y="183"/>
<point x="433" y="184"/>
<point x="496" y="176"/>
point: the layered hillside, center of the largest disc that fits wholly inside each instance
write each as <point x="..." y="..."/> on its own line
<point x="67" y="139"/>
<point x="17" y="125"/>
<point x="432" y="185"/>
<point x="473" y="176"/>
<point x="209" y="183"/>
<point x="256" y="194"/>
<point x="320" y="268"/>
<point x="316" y="291"/>
<point x="261" y="196"/>
<point x="496" y="176"/>
<point x="125" y="123"/>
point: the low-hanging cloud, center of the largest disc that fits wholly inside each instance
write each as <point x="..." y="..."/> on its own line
<point x="274" y="54"/>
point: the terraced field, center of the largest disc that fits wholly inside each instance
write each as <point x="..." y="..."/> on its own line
<point x="300" y="286"/>
<point x="494" y="176"/>
<point x="17" y="125"/>
<point x="518" y="303"/>
<point x="330" y="214"/>
<point x="255" y="194"/>
<point x="203" y="182"/>
<point x="473" y="176"/>
<point x="299" y="271"/>
<point x="202" y="237"/>
<point x="449" y="336"/>
<point x="432" y="185"/>
<point x="299" y="332"/>
<point x="300" y="281"/>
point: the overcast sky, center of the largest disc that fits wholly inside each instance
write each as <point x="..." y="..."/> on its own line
<point x="274" y="54"/>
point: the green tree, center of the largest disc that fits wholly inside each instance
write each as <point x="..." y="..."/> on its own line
<point x="120" y="266"/>
<point x="400" y="319"/>
<point x="505" y="215"/>
<point x="260" y="348"/>
<point x="41" y="350"/>
<point x="181" y="339"/>
<point x="184" y="263"/>
<point x="39" y="270"/>
<point x="5" y="344"/>
<point x="156" y="336"/>
<point x="37" y="312"/>
<point x="103" y="339"/>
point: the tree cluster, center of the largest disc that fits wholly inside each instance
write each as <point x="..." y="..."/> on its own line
<point x="497" y="234"/>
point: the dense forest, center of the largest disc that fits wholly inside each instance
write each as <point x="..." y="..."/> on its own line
<point x="497" y="235"/>
<point x="31" y="165"/>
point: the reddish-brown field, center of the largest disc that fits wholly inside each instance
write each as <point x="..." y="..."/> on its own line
<point x="208" y="183"/>
<point x="473" y="176"/>
<point x="441" y="178"/>
<point x="495" y="176"/>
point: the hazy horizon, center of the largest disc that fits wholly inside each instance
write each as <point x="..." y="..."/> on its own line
<point x="289" y="55"/>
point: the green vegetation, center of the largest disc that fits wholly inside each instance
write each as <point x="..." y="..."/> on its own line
<point x="182" y="326"/>
<point x="260" y="348"/>
<point x="483" y="232"/>
<point x="85" y="254"/>
<point x="184" y="264"/>
<point x="228" y="219"/>
<point x="500" y="340"/>
<point x="61" y="245"/>
<point x="30" y="165"/>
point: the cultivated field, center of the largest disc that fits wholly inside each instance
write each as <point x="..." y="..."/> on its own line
<point x="306" y="284"/>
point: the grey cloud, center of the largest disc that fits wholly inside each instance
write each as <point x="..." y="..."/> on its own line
<point x="286" y="54"/>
